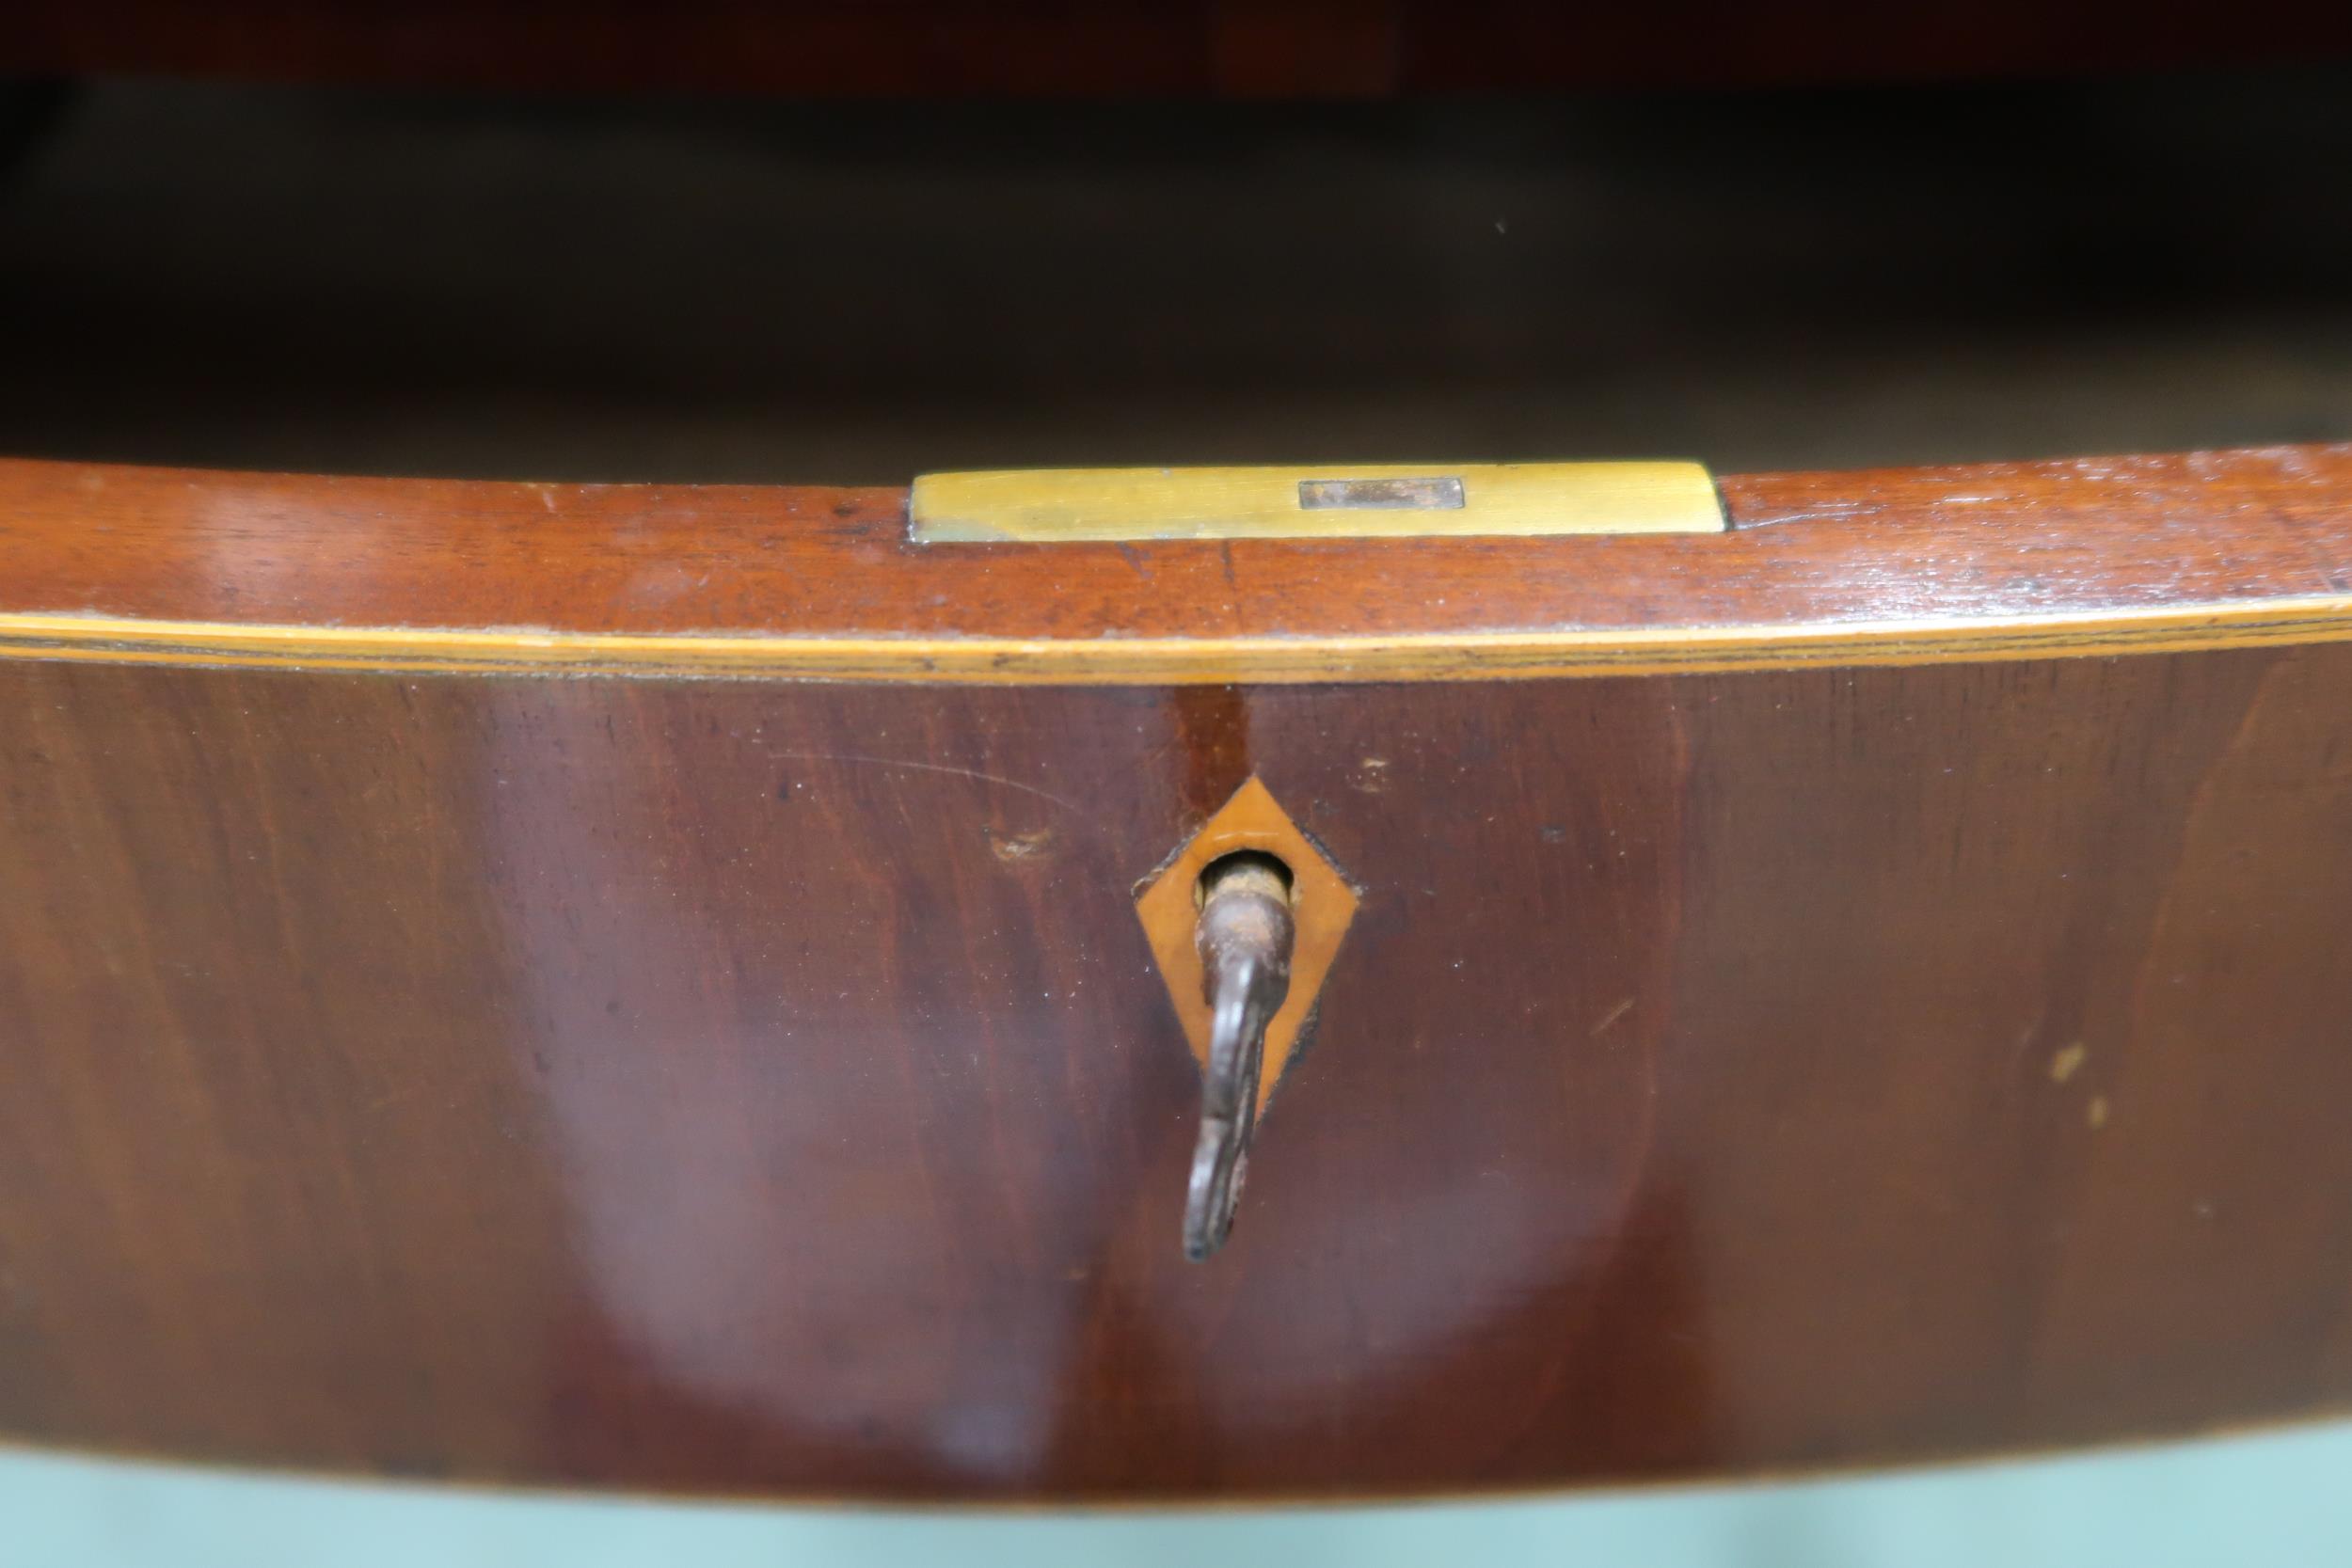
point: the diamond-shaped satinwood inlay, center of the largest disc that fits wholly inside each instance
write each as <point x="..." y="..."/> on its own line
<point x="1322" y="903"/>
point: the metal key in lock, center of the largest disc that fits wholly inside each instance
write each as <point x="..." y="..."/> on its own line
<point x="1245" y="935"/>
<point x="1244" y="919"/>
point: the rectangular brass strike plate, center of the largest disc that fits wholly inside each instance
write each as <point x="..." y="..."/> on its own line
<point x="1333" y="501"/>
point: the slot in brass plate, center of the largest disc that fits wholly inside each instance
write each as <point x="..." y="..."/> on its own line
<point x="1332" y="502"/>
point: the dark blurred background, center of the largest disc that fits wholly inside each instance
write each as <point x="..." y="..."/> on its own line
<point x="566" y="287"/>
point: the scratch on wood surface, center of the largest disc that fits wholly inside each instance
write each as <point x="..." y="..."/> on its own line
<point x="929" y="767"/>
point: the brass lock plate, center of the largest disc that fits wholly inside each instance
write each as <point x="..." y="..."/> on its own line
<point x="1332" y="502"/>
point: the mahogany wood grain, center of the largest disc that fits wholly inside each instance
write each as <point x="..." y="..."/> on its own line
<point x="2068" y="541"/>
<point x="763" y="1087"/>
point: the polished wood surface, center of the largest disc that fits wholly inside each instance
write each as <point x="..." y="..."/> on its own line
<point x="1989" y="561"/>
<point x="765" y="1087"/>
<point x="1861" y="1019"/>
